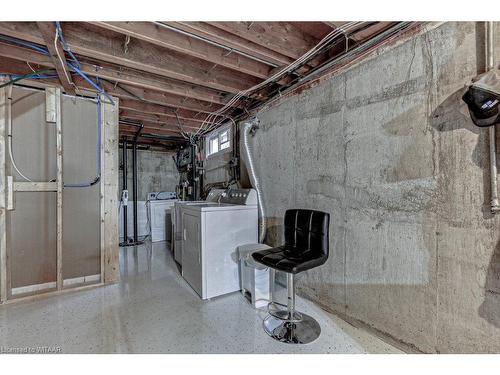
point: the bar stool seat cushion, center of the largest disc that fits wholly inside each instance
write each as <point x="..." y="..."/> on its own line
<point x="306" y="243"/>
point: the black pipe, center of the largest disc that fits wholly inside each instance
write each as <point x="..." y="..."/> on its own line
<point x="163" y="137"/>
<point x="193" y="171"/>
<point x="134" y="182"/>
<point x="139" y="147"/>
<point x="124" y="187"/>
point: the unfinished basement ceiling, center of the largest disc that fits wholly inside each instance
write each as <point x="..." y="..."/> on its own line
<point x="170" y="76"/>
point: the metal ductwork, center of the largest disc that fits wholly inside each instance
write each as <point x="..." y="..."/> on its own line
<point x="249" y="128"/>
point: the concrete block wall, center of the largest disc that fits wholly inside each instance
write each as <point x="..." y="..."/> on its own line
<point x="156" y="172"/>
<point x="387" y="147"/>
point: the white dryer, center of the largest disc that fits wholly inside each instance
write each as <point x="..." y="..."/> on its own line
<point x="211" y="235"/>
<point x="176" y="242"/>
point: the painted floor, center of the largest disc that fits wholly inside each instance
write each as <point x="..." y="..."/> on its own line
<point x="153" y="310"/>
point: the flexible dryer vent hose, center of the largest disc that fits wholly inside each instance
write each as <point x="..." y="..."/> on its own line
<point x="249" y="128"/>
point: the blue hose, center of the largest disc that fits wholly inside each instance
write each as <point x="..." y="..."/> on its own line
<point x="75" y="66"/>
<point x="90" y="82"/>
<point x="23" y="43"/>
<point x="65" y="45"/>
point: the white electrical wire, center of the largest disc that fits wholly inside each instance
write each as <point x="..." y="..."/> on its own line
<point x="9" y="134"/>
<point x="63" y="63"/>
<point x="210" y="121"/>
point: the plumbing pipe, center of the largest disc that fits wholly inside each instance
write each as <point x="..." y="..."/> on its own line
<point x="134" y="182"/>
<point x="249" y="128"/>
<point x="124" y="187"/>
<point x="490" y="64"/>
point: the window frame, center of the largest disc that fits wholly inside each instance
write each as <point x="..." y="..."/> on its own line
<point x="218" y="134"/>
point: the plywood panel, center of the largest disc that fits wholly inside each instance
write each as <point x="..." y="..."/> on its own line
<point x="81" y="207"/>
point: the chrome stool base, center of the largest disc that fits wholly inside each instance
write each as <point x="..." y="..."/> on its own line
<point x="304" y="331"/>
<point x="285" y="315"/>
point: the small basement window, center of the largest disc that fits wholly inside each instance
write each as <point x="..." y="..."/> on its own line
<point x="219" y="140"/>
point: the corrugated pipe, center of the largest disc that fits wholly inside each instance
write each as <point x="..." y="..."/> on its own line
<point x="490" y="64"/>
<point x="249" y="128"/>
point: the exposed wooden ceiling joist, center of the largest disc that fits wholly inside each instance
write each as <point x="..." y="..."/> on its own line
<point x="230" y="40"/>
<point x="163" y="69"/>
<point x="48" y="32"/>
<point x="148" y="129"/>
<point x="121" y="75"/>
<point x="125" y="91"/>
<point x="281" y="37"/>
<point x="156" y="109"/>
<point x="85" y="40"/>
<point x="159" y="120"/>
<point x="155" y="129"/>
<point x="317" y="30"/>
<point x="175" y="41"/>
<point x="152" y="97"/>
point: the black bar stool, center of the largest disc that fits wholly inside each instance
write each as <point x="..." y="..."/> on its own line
<point x="306" y="246"/>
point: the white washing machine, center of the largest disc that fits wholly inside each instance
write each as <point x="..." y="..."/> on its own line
<point x="211" y="235"/>
<point x="176" y="242"/>
<point x="157" y="216"/>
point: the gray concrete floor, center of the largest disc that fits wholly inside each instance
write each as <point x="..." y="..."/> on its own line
<point x="153" y="310"/>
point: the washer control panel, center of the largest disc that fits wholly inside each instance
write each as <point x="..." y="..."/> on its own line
<point x="215" y="194"/>
<point x="245" y="197"/>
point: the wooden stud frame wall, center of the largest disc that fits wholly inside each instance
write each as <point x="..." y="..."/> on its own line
<point x="3" y="201"/>
<point x="108" y="193"/>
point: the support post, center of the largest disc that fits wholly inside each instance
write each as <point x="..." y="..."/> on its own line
<point x="290" y="283"/>
<point x="4" y="102"/>
<point x="109" y="192"/>
<point x="53" y="115"/>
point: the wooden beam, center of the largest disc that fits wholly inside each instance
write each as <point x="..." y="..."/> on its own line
<point x="87" y="41"/>
<point x="179" y="42"/>
<point x="157" y="119"/>
<point x="131" y="93"/>
<point x="230" y="40"/>
<point x="148" y="129"/>
<point x="110" y="269"/>
<point x="161" y="110"/>
<point x="153" y="128"/>
<point x="155" y="97"/>
<point x="117" y="74"/>
<point x="35" y="186"/>
<point x="317" y="30"/>
<point x="4" y="103"/>
<point x="48" y="31"/>
<point x="281" y="37"/>
<point x="23" y="54"/>
<point x="53" y="114"/>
